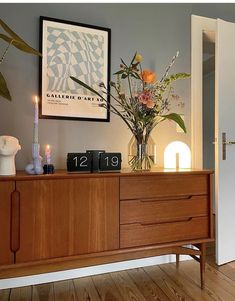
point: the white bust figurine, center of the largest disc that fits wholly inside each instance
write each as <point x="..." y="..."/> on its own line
<point x="9" y="146"/>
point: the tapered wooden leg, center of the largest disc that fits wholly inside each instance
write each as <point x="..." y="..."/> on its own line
<point x="177" y="260"/>
<point x="203" y="264"/>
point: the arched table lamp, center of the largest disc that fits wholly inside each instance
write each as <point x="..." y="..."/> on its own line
<point x="177" y="155"/>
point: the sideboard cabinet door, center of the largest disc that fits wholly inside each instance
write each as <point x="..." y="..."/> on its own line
<point x="6" y="188"/>
<point x="65" y="217"/>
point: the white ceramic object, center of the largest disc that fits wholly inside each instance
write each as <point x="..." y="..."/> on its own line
<point x="35" y="168"/>
<point x="9" y="146"/>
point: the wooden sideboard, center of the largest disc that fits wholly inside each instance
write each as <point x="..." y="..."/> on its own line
<point x="64" y="221"/>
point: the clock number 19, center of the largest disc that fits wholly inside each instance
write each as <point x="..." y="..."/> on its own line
<point x="113" y="161"/>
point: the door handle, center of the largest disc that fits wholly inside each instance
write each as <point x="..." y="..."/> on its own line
<point x="224" y="144"/>
<point x="215" y="141"/>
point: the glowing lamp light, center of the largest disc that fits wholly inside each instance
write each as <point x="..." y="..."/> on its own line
<point x="177" y="155"/>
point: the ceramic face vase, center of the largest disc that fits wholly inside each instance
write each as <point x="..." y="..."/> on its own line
<point x="9" y="146"/>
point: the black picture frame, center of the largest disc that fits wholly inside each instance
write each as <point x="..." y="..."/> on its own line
<point x="60" y="42"/>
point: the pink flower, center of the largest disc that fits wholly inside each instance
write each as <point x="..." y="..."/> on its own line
<point x="145" y="98"/>
<point x="150" y="104"/>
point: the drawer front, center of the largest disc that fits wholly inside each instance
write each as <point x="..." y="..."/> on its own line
<point x="141" y="235"/>
<point x="142" y="187"/>
<point x="158" y="211"/>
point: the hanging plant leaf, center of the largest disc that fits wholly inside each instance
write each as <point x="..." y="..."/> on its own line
<point x="16" y="40"/>
<point x="9" y="31"/>
<point x="4" y="92"/>
<point x="20" y="45"/>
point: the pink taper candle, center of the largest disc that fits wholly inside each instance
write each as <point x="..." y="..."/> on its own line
<point x="48" y="154"/>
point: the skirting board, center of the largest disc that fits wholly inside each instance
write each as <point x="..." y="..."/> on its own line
<point x="88" y="271"/>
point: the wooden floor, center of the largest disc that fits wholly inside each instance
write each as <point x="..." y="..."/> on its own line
<point x="157" y="283"/>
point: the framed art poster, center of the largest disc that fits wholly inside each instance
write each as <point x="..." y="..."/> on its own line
<point x="78" y="50"/>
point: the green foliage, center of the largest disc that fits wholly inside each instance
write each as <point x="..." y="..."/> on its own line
<point x="129" y="71"/>
<point x="86" y="86"/>
<point x="145" y="104"/>
<point x="4" y="92"/>
<point x="176" y="118"/>
<point x="174" y="77"/>
<point x="19" y="43"/>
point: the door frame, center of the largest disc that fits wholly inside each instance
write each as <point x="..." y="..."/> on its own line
<point x="198" y="25"/>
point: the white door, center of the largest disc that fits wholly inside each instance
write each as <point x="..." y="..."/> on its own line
<point x="225" y="123"/>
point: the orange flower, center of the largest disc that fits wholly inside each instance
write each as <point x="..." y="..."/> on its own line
<point x="148" y="76"/>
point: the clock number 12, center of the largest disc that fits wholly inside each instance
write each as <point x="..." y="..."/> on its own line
<point x="82" y="161"/>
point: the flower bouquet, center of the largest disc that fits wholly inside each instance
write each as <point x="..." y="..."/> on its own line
<point x="141" y="101"/>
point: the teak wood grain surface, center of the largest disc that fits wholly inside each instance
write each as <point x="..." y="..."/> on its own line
<point x="67" y="217"/>
<point x="63" y="174"/>
<point x="65" y="221"/>
<point x="137" y="234"/>
<point x="6" y="255"/>
<point x="162" y="210"/>
<point x="133" y="187"/>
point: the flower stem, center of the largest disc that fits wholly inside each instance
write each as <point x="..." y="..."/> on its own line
<point x="5" y="52"/>
<point x="129" y="83"/>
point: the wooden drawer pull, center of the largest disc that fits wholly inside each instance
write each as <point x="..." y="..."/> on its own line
<point x="141" y="234"/>
<point x="15" y="221"/>
<point x="167" y="222"/>
<point x="167" y="198"/>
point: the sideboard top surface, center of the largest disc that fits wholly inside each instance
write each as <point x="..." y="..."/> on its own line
<point x="63" y="174"/>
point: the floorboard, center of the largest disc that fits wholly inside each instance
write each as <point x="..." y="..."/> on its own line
<point x="85" y="289"/>
<point x="64" y="291"/>
<point x="226" y="269"/>
<point x="156" y="283"/>
<point x="168" y="286"/>
<point x="221" y="286"/>
<point x="149" y="289"/>
<point x="106" y="288"/>
<point x="43" y="292"/>
<point x="21" y="294"/>
<point x="5" y="295"/>
<point x="185" y="282"/>
<point x="127" y="287"/>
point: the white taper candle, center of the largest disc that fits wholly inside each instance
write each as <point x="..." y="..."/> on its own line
<point x="35" y="134"/>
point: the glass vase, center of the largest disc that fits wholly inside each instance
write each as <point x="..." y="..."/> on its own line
<point x="142" y="156"/>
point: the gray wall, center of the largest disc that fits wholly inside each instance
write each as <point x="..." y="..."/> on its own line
<point x="215" y="10"/>
<point x="155" y="30"/>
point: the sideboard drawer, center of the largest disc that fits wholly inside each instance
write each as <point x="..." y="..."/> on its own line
<point x="157" y="211"/>
<point x="142" y="187"/>
<point x="139" y="234"/>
